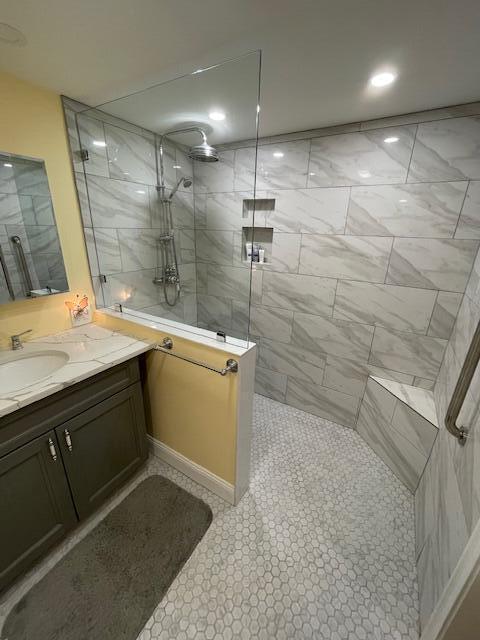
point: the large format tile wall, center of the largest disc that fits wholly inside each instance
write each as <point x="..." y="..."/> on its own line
<point x="121" y="213"/>
<point x="447" y="501"/>
<point x="375" y="230"/>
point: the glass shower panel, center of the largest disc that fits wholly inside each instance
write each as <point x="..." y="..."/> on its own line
<point x="169" y="177"/>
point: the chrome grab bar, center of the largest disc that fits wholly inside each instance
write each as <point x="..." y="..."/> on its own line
<point x="6" y="275"/>
<point x="461" y="388"/>
<point x="231" y="366"/>
<point x="23" y="263"/>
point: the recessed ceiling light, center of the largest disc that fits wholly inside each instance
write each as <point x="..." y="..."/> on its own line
<point x="363" y="173"/>
<point x="391" y="139"/>
<point x="11" y="35"/>
<point x="99" y="143"/>
<point x="216" y="115"/>
<point x="7" y="164"/>
<point x="278" y="154"/>
<point x="382" y="79"/>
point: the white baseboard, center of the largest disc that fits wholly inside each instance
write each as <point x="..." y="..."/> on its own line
<point x="192" y="470"/>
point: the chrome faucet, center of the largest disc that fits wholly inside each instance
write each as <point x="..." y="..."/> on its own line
<point x="16" y="342"/>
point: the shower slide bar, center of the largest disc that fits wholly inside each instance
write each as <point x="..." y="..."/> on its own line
<point x="23" y="263"/>
<point x="461" y="388"/>
<point x="6" y="275"/>
<point x="167" y="346"/>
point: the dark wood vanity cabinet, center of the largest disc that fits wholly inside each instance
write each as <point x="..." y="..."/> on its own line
<point x="52" y="479"/>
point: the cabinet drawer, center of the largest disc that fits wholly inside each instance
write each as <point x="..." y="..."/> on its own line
<point x="35" y="503"/>
<point x="103" y="446"/>
<point x="25" y="424"/>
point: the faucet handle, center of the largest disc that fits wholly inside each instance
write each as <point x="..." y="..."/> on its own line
<point x="19" y="335"/>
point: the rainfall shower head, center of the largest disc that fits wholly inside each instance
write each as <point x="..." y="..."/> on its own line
<point x="203" y="152"/>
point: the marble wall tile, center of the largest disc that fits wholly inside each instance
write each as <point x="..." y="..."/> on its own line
<point x="91" y="252"/>
<point x="10" y="209"/>
<point x="407" y="210"/>
<point x="323" y="402"/>
<point x="473" y="286"/>
<point x="407" y="352"/>
<point x="137" y="248"/>
<point x="118" y="205"/>
<point x="465" y="326"/>
<point x="309" y="294"/>
<point x="403" y="308"/>
<point x="215" y="247"/>
<point x="270" y="383"/>
<point x="309" y="210"/>
<point x="346" y="257"/>
<point x="186" y="241"/>
<point x="335" y="337"/>
<point x="285" y="253"/>
<point x="222" y="211"/>
<point x="272" y="323"/>
<point x="7" y="179"/>
<point x="183" y="211"/>
<point x="446" y="150"/>
<point x="214" y="311"/>
<point x="228" y="282"/>
<point x="302" y="364"/>
<point x="283" y="165"/>
<point x="380" y="400"/>
<point x="406" y="462"/>
<point x="202" y="277"/>
<point x="134" y="289"/>
<point x="420" y="432"/>
<point x="469" y="222"/>
<point x="213" y="177"/>
<point x="256" y="276"/>
<point x="43" y="239"/>
<point x="240" y="319"/>
<point x="346" y="376"/>
<point x="361" y="158"/>
<point x="389" y="374"/>
<point x="444" y="314"/>
<point x="91" y="131"/>
<point x="83" y="200"/>
<point x="423" y="383"/>
<point x="432" y="263"/>
<point x="130" y="156"/>
<point x="108" y="252"/>
<point x="188" y="277"/>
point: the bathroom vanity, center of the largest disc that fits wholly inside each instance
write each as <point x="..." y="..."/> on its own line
<point x="62" y="455"/>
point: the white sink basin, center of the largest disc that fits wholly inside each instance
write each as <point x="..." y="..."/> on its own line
<point x="23" y="370"/>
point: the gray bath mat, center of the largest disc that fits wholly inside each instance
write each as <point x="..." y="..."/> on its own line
<point x="108" y="585"/>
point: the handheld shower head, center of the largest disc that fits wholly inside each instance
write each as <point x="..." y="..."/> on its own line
<point x="187" y="182"/>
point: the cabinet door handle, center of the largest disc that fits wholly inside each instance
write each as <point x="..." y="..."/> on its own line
<point x="53" y="451"/>
<point x="68" y="440"/>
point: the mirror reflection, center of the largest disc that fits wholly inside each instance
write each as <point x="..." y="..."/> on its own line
<point x="31" y="261"/>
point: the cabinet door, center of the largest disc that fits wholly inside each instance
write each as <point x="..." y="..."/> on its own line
<point x="35" y="505"/>
<point x="102" y="446"/>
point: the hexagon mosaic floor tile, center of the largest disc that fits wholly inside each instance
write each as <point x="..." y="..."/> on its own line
<point x="322" y="545"/>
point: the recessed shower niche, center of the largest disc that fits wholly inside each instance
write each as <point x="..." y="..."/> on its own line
<point x="257" y="239"/>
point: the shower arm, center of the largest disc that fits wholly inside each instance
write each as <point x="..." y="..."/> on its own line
<point x="161" y="181"/>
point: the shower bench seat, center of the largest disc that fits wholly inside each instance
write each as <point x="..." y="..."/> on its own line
<point x="400" y="424"/>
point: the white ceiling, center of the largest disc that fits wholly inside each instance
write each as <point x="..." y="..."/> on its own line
<point x="317" y="54"/>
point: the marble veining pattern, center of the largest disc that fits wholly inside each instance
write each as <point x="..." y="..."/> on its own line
<point x="361" y="158"/>
<point x="308" y="565"/>
<point x="90" y="349"/>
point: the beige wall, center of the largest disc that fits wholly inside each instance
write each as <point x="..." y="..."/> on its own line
<point x="32" y="124"/>
<point x="189" y="409"/>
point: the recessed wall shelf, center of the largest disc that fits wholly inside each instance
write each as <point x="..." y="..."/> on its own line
<point x="257" y="205"/>
<point x="263" y="236"/>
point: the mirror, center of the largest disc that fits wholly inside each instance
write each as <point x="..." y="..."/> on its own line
<point x="31" y="260"/>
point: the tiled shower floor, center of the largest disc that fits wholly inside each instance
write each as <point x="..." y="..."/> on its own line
<point x="322" y="546"/>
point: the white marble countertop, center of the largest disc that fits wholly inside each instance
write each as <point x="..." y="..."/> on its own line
<point x="90" y="350"/>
